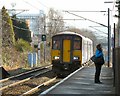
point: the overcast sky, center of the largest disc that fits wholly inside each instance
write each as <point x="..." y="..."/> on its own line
<point x="77" y="5"/>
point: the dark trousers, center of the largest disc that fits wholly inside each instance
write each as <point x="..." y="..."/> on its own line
<point x="97" y="73"/>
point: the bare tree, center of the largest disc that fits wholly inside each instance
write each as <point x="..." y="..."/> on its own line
<point x="55" y="22"/>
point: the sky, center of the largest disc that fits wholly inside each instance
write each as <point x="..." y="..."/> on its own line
<point x="34" y="6"/>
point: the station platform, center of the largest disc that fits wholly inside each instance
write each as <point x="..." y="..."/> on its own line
<point x="81" y="83"/>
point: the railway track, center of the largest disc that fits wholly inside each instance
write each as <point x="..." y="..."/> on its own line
<point x="36" y="89"/>
<point x="24" y="73"/>
<point x="20" y="84"/>
<point x="31" y="86"/>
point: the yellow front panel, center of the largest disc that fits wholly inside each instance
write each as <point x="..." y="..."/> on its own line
<point x="55" y="53"/>
<point x="66" y="51"/>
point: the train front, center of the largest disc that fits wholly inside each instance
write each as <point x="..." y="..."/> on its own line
<point x="66" y="54"/>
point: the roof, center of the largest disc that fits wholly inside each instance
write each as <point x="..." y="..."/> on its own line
<point x="73" y="33"/>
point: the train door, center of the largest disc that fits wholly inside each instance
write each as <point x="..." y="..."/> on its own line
<point x="66" y="50"/>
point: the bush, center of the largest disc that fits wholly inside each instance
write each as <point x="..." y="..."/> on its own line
<point x="22" y="45"/>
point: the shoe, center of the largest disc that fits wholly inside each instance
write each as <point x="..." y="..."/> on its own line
<point x="98" y="82"/>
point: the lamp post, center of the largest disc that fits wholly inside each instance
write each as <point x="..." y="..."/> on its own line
<point x="109" y="38"/>
<point x="109" y="33"/>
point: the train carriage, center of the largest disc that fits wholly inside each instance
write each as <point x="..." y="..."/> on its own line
<point x="69" y="51"/>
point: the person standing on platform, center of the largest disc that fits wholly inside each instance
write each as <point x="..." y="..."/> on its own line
<point x="99" y="62"/>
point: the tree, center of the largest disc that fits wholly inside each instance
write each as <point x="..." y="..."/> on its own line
<point x="7" y="29"/>
<point x="21" y="29"/>
<point x="55" y="22"/>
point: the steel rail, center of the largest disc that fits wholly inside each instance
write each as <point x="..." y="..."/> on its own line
<point x="24" y="80"/>
<point x="40" y="68"/>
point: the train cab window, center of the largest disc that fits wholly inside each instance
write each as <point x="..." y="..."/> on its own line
<point x="56" y="44"/>
<point x="76" y="45"/>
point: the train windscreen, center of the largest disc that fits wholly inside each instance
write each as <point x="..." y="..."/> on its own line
<point x="56" y="44"/>
<point x="77" y="43"/>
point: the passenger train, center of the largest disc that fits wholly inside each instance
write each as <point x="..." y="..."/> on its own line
<point x="69" y="51"/>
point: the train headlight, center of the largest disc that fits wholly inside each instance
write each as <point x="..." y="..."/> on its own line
<point x="75" y="58"/>
<point x="56" y="57"/>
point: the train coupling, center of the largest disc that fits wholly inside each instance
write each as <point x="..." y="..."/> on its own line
<point x="66" y="66"/>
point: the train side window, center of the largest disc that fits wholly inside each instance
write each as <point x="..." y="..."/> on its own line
<point x="56" y="44"/>
<point x="76" y="45"/>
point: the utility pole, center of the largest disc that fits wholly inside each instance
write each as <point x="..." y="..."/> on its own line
<point x="109" y="39"/>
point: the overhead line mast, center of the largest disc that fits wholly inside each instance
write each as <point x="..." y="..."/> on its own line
<point x="108" y="26"/>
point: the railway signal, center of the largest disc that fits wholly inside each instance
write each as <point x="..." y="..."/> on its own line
<point x="43" y="37"/>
